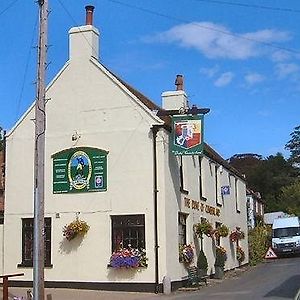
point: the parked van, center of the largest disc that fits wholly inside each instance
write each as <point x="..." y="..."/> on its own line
<point x="286" y="235"/>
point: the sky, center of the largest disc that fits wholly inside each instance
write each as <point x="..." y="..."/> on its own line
<point x="240" y="58"/>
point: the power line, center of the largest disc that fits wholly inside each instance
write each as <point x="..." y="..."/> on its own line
<point x="251" y="5"/>
<point x="205" y="27"/>
<point x="8" y="7"/>
<point x="26" y="69"/>
<point x="75" y="23"/>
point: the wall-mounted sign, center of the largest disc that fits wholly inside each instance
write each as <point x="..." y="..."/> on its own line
<point x="225" y="190"/>
<point x="187" y="135"/>
<point x="201" y="206"/>
<point x="78" y="170"/>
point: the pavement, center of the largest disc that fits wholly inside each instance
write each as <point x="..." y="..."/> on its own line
<point x="74" y="294"/>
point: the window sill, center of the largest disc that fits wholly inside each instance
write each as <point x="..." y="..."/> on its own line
<point x="183" y="191"/>
<point x="125" y="268"/>
<point x="23" y="265"/>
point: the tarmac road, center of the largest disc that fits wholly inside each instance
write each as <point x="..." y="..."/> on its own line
<point x="273" y="280"/>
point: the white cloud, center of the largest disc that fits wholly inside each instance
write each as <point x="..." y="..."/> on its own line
<point x="253" y="78"/>
<point x="210" y="72"/>
<point x="280" y="55"/>
<point x="284" y="70"/>
<point x="224" y="79"/>
<point x="217" y="41"/>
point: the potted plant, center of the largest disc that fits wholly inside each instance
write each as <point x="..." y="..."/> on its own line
<point x="186" y="253"/>
<point x="75" y="228"/>
<point x="202" y="264"/>
<point x="240" y="254"/>
<point x="129" y="258"/>
<point x="221" y="258"/>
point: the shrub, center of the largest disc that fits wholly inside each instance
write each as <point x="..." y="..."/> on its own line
<point x="221" y="257"/>
<point x="202" y="261"/>
<point x="259" y="242"/>
<point x="240" y="254"/>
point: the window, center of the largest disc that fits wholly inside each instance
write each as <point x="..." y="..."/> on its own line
<point x="128" y="230"/>
<point x="218" y="238"/>
<point x="236" y="194"/>
<point x="182" y="228"/>
<point x="201" y="178"/>
<point x="27" y="242"/>
<point x="182" y="185"/>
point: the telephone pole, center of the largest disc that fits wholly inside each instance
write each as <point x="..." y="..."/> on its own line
<point x="39" y="158"/>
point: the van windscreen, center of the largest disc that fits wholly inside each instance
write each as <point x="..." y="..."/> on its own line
<point x="286" y="232"/>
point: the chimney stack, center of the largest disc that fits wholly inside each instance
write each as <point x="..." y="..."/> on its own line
<point x="84" y="40"/>
<point x="89" y="14"/>
<point x="175" y="100"/>
<point x="179" y="83"/>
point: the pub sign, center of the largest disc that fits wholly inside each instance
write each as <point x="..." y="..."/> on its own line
<point x="187" y="135"/>
<point x="79" y="170"/>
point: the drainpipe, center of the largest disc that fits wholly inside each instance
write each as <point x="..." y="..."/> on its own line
<point x="155" y="129"/>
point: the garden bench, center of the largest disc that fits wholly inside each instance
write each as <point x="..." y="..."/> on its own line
<point x="194" y="278"/>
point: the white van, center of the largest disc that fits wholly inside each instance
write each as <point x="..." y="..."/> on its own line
<point x="286" y="235"/>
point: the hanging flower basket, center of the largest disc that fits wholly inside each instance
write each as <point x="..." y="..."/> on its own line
<point x="221" y="231"/>
<point x="128" y="258"/>
<point x="204" y="227"/>
<point x="75" y="228"/>
<point x="240" y="254"/>
<point x="236" y="235"/>
<point x="186" y="253"/>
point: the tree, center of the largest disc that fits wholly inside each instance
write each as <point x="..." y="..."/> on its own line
<point x="290" y="198"/>
<point x="293" y="145"/>
<point x="267" y="176"/>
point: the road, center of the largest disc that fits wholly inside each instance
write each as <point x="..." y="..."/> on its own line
<point x="276" y="279"/>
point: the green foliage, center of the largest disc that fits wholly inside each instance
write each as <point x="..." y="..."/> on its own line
<point x="221" y="257"/>
<point x="204" y="227"/>
<point x="268" y="176"/>
<point x="290" y="198"/>
<point x="259" y="242"/>
<point x="293" y="145"/>
<point x="202" y="261"/>
<point x="222" y="231"/>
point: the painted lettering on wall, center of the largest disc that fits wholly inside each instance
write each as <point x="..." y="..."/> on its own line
<point x="200" y="206"/>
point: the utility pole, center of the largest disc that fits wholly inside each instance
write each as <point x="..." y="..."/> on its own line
<point x="39" y="158"/>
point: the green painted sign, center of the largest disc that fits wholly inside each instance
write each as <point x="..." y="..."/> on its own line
<point x="80" y="170"/>
<point x="187" y="135"/>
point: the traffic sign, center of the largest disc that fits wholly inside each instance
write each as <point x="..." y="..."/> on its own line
<point x="270" y="253"/>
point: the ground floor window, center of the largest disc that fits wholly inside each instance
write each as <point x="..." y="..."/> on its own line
<point x="128" y="231"/>
<point x="27" y="242"/>
<point x="182" y="228"/>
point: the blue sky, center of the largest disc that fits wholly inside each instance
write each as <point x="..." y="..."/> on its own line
<point x="239" y="58"/>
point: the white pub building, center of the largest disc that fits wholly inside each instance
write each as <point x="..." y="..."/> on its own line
<point x="118" y="200"/>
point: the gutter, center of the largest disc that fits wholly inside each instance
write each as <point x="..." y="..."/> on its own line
<point x="155" y="129"/>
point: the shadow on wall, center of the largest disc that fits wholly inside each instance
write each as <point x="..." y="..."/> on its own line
<point x="123" y="273"/>
<point x="66" y="247"/>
